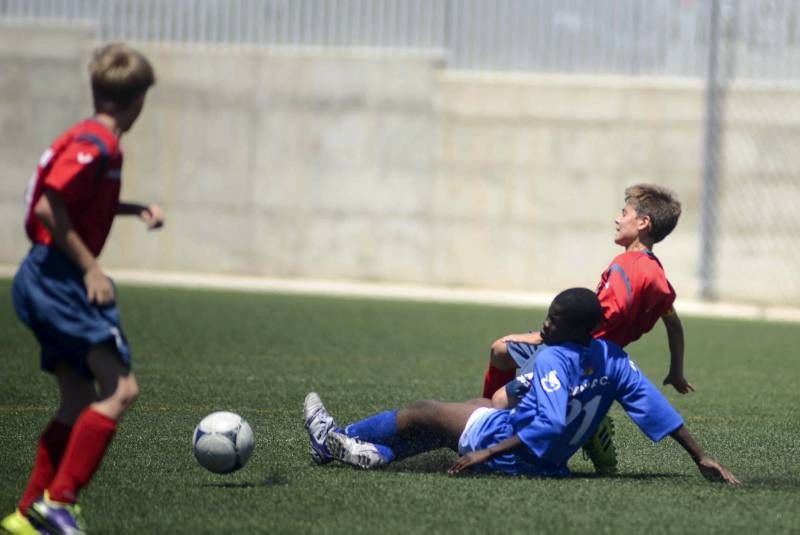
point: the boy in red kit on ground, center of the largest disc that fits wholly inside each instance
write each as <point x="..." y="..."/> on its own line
<point x="61" y="293"/>
<point x="634" y="293"/>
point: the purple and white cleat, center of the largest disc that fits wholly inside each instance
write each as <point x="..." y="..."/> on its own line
<point x="56" y="518"/>
<point x="318" y="423"/>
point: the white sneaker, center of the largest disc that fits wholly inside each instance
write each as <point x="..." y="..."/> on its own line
<point x="353" y="451"/>
<point x="318" y="423"/>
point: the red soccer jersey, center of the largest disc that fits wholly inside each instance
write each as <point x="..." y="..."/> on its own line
<point x="84" y="167"/>
<point x="635" y="293"/>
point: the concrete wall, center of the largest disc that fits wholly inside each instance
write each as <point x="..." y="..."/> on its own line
<point x="304" y="164"/>
<point x="538" y="166"/>
<point x="41" y="81"/>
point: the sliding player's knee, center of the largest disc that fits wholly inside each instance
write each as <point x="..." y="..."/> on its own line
<point x="499" y="357"/>
<point x="423" y="405"/>
<point x="422" y="412"/>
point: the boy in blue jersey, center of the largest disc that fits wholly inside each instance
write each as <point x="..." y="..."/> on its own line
<point x="574" y="381"/>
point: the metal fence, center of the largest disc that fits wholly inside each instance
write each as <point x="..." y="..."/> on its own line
<point x="633" y="37"/>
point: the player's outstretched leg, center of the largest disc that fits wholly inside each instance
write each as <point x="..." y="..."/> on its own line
<point x="318" y="423"/>
<point x="600" y="448"/>
<point x="357" y="452"/>
<point x="56" y="518"/>
<point x="18" y="524"/>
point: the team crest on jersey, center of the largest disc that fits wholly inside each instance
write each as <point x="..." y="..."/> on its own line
<point x="526" y="380"/>
<point x="550" y="382"/>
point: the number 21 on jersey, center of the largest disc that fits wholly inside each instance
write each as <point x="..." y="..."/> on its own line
<point x="588" y="409"/>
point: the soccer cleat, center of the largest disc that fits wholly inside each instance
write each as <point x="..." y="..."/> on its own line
<point x="353" y="451"/>
<point x="318" y="423"/>
<point x="600" y="448"/>
<point x="17" y="524"/>
<point x="56" y="518"/>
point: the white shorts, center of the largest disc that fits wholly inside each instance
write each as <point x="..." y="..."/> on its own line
<point x="471" y="434"/>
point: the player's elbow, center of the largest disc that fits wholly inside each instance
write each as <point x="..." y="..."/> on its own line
<point x="500" y="399"/>
<point x="42" y="209"/>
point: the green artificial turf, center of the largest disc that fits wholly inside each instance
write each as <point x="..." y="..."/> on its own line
<point x="259" y="354"/>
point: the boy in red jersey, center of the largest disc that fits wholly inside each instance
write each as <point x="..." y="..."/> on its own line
<point x="634" y="293"/>
<point x="61" y="293"/>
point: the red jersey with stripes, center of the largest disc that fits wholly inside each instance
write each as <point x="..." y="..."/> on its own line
<point x="635" y="293"/>
<point x="84" y="167"/>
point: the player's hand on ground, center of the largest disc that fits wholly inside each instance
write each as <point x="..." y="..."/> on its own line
<point x="470" y="459"/>
<point x="99" y="289"/>
<point x="153" y="216"/>
<point x="679" y="383"/>
<point x="713" y="471"/>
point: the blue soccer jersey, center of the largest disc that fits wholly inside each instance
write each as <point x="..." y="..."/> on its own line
<point x="569" y="391"/>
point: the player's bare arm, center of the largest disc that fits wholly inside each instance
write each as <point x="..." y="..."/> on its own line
<point x="52" y="212"/>
<point x="481" y="456"/>
<point x="151" y="214"/>
<point x="710" y="468"/>
<point x="534" y="337"/>
<point x="675" y="375"/>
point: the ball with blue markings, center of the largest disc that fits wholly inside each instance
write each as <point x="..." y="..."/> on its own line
<point x="223" y="442"/>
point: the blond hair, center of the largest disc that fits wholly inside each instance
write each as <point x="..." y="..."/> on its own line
<point x="659" y="204"/>
<point x="119" y="75"/>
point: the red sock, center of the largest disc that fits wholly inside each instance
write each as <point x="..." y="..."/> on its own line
<point x="495" y="379"/>
<point x="87" y="444"/>
<point x="49" y="452"/>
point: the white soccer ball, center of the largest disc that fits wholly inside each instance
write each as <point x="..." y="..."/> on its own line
<point x="223" y="442"/>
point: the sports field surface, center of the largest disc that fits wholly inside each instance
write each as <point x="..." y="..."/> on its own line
<point x="259" y="354"/>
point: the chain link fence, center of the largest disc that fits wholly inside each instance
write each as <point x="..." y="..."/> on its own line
<point x="631" y="37"/>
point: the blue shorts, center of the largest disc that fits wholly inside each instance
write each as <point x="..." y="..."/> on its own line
<point x="471" y="436"/>
<point x="522" y="352"/>
<point x="487" y="427"/>
<point x="50" y="298"/>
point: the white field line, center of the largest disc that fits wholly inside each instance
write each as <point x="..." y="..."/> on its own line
<point x="413" y="293"/>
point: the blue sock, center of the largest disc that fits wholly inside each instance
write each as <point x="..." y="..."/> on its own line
<point x="386" y="452"/>
<point x="379" y="428"/>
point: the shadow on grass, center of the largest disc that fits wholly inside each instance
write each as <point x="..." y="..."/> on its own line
<point x="627" y="476"/>
<point x="440" y="464"/>
<point x="270" y="480"/>
<point x="432" y="462"/>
